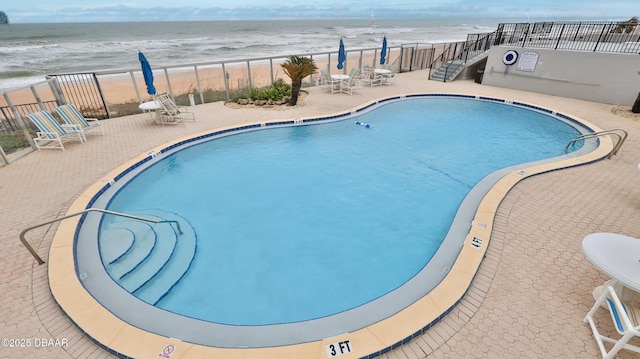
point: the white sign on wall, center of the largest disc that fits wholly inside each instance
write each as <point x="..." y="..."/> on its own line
<point x="528" y="61"/>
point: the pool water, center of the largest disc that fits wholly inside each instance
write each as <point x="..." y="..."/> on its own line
<point x="304" y="222"/>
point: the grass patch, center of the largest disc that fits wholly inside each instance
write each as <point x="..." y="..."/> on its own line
<point x="131" y="107"/>
<point x="13" y="141"/>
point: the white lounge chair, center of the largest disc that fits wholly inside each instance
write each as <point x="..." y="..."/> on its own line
<point x="52" y="134"/>
<point x="626" y="320"/>
<point x="70" y="115"/>
<point x="171" y="113"/>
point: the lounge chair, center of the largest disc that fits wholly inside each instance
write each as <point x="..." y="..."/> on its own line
<point x="70" y="115"/>
<point x="171" y="113"/>
<point x="51" y="133"/>
<point x="626" y="320"/>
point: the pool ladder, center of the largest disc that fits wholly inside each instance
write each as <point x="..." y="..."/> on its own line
<point x="40" y="261"/>
<point x="619" y="133"/>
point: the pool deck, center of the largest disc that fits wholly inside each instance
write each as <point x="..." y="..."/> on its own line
<point x="528" y="300"/>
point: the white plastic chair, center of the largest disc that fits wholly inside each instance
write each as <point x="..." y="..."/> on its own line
<point x="369" y="76"/>
<point x="354" y="83"/>
<point x="171" y="113"/>
<point x="626" y="320"/>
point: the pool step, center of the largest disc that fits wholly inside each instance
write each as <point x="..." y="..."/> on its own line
<point x="166" y="241"/>
<point x="120" y="242"/>
<point x="149" y="273"/>
<point x="182" y="257"/>
<point x="144" y="241"/>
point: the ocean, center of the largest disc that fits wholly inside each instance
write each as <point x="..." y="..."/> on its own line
<point x="28" y="52"/>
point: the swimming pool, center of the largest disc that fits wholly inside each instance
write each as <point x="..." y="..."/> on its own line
<point x="289" y="215"/>
<point x="365" y="155"/>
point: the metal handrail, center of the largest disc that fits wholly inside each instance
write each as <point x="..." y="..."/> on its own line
<point x="39" y="259"/>
<point x="616" y="148"/>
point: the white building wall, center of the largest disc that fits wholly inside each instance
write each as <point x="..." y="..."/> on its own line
<point x="594" y="76"/>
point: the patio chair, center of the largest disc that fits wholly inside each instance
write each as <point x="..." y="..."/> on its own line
<point x="354" y="83"/>
<point x="369" y="77"/>
<point x="388" y="78"/>
<point x="626" y="320"/>
<point x="325" y="80"/>
<point x="328" y="84"/>
<point x="170" y="113"/>
<point x="70" y="115"/>
<point x="51" y="133"/>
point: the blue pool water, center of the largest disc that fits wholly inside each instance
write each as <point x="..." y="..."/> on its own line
<point x="299" y="223"/>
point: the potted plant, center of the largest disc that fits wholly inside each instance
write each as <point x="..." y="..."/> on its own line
<point x="297" y="68"/>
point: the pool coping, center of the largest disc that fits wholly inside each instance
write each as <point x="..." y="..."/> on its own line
<point x="125" y="340"/>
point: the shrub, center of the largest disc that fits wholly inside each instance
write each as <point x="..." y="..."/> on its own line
<point x="13" y="140"/>
<point x="276" y="91"/>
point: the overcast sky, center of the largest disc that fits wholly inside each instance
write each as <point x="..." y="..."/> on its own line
<point x="24" y="11"/>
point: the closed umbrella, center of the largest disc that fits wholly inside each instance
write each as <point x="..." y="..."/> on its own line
<point x="342" y="56"/>
<point x="383" y="52"/>
<point x="147" y="73"/>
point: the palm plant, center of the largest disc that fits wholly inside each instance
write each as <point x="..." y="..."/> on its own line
<point x="297" y="68"/>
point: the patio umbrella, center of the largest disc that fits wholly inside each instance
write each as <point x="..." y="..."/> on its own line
<point x="146" y="72"/>
<point x="342" y="56"/>
<point x="383" y="52"/>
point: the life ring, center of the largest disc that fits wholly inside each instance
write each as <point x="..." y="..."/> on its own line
<point x="510" y="57"/>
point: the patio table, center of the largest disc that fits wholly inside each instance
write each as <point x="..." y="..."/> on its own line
<point x="341" y="79"/>
<point x="152" y="106"/>
<point x="617" y="256"/>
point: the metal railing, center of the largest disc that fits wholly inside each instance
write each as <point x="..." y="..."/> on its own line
<point x="614" y="132"/>
<point x="39" y="259"/>
<point x="93" y="94"/>
<point x="622" y="37"/>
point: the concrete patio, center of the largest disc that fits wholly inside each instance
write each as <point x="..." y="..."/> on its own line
<point x="528" y="300"/>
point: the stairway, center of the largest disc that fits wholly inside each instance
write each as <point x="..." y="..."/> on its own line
<point x="147" y="259"/>
<point x="453" y="68"/>
<point x="450" y="69"/>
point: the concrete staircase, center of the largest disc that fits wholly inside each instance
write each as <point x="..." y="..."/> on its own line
<point x="448" y="71"/>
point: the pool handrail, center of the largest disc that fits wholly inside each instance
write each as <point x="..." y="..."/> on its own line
<point x="613" y="132"/>
<point x="39" y="259"/>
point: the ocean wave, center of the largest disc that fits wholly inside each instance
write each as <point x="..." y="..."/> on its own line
<point x="17" y="74"/>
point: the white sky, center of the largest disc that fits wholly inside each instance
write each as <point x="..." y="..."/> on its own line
<point x="29" y="11"/>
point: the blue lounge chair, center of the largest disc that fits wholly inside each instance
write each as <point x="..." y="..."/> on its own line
<point x="51" y="133"/>
<point x="70" y="114"/>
